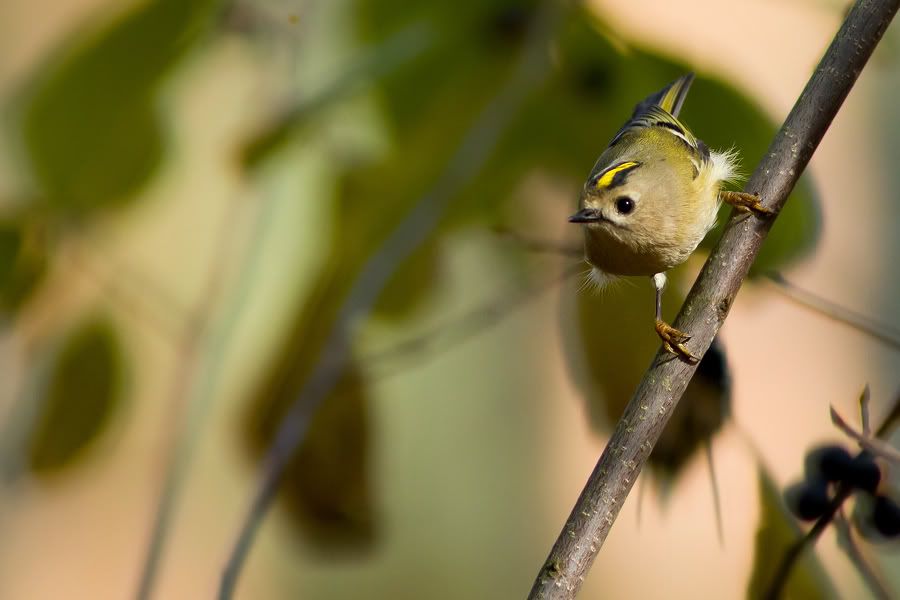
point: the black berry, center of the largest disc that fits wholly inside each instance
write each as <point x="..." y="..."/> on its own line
<point x="886" y="517"/>
<point x="808" y="500"/>
<point x="863" y="473"/>
<point x="833" y="463"/>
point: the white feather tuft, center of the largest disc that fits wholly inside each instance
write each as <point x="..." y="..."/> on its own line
<point x="596" y="280"/>
<point x="725" y="165"/>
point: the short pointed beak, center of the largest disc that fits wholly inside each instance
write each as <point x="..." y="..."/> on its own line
<point x="586" y="215"/>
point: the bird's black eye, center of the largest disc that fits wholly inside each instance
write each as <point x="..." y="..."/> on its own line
<point x="624" y="205"/>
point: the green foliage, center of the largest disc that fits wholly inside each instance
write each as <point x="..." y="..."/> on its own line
<point x="83" y="392"/>
<point x="91" y="125"/>
<point x="774" y="536"/>
<point x="23" y="263"/>
<point x="429" y="104"/>
<point x="326" y="487"/>
<point x="399" y="49"/>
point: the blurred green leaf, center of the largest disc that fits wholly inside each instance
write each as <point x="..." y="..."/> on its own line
<point x="91" y="124"/>
<point x="410" y="285"/>
<point x="563" y="127"/>
<point x="83" y="392"/>
<point x="723" y="118"/>
<point x="326" y="487"/>
<point x="776" y="533"/>
<point x="429" y="103"/>
<point x="23" y="263"/>
<point x="399" y="49"/>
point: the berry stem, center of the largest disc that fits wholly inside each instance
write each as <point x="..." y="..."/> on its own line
<point x="776" y="588"/>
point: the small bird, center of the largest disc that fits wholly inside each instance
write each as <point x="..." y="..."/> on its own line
<point x="651" y="198"/>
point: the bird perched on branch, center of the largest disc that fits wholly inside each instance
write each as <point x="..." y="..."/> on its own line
<point x="651" y="198"/>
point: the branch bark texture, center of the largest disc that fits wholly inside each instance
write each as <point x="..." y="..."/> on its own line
<point x="709" y="302"/>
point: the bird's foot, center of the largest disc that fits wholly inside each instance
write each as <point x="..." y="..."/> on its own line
<point x="674" y="341"/>
<point x="745" y="202"/>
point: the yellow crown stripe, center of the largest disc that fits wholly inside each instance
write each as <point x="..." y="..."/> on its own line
<point x="607" y="178"/>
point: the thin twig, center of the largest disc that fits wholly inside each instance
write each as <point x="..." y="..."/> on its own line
<point x="793" y="554"/>
<point x="864" y="402"/>
<point x="471" y="155"/>
<point x="846" y="541"/>
<point x="397" y="50"/>
<point x="189" y="361"/>
<point x="714" y="484"/>
<point x="873" y="445"/>
<point x="890" y="420"/>
<point x="540" y="245"/>
<point x="884" y="333"/>
<point x="196" y="376"/>
<point x="843" y="492"/>
<point x="424" y="347"/>
<point x="709" y="302"/>
<point x="125" y="286"/>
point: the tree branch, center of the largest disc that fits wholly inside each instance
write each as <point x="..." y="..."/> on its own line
<point x="709" y="302"/>
<point x="843" y="492"/>
<point x="845" y="540"/>
<point x="473" y="152"/>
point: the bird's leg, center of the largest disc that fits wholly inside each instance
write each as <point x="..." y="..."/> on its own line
<point x="673" y="340"/>
<point x="745" y="202"/>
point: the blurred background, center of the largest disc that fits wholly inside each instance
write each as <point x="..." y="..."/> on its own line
<point x="189" y="190"/>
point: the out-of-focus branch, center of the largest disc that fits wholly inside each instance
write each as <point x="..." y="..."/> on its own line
<point x="793" y="554"/>
<point x="874" y="445"/>
<point x="471" y="155"/>
<point x="444" y="336"/>
<point x="201" y="346"/>
<point x="843" y="492"/>
<point x="882" y="332"/>
<point x="709" y="302"/>
<point x="189" y="362"/>
<point x="854" y="553"/>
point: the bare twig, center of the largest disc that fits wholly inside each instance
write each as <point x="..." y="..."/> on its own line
<point x="846" y="541"/>
<point x="779" y="580"/>
<point x="864" y="399"/>
<point x="709" y="302"/>
<point x="843" y="492"/>
<point x="124" y="286"/>
<point x="540" y="245"/>
<point x="890" y="420"/>
<point x="473" y="152"/>
<point x="873" y="445"/>
<point x="884" y="333"/>
<point x="714" y="485"/>
<point x="425" y="346"/>
<point x="397" y="50"/>
<point x="194" y="380"/>
<point x="189" y="361"/>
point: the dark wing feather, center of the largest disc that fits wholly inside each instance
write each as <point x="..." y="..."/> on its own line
<point x="661" y="110"/>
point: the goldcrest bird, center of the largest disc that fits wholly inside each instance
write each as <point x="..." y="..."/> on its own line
<point x="651" y="198"/>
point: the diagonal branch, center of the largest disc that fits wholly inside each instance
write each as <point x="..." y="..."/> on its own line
<point x="709" y="302"/>
<point x="473" y="152"/>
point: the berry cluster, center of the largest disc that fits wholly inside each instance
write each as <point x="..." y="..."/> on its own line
<point x="828" y="466"/>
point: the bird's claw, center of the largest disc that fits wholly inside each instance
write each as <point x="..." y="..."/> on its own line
<point x="674" y="341"/>
<point x="744" y="202"/>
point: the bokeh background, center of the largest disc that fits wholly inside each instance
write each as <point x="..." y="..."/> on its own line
<point x="188" y="189"/>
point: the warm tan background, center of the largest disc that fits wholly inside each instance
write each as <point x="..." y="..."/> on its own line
<point x="446" y="441"/>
